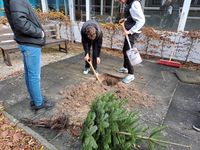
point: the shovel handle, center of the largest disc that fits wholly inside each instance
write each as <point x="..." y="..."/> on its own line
<point x="127" y="38"/>
<point x="93" y="70"/>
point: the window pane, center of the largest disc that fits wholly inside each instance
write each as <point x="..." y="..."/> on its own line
<point x="165" y="17"/>
<point x="1" y="8"/>
<point x="106" y="11"/>
<point x="58" y="5"/>
<point x="195" y="3"/>
<point x="193" y="20"/>
<point x="152" y="3"/>
<point x="95" y="8"/>
<point x="36" y="4"/>
<point x="80" y="10"/>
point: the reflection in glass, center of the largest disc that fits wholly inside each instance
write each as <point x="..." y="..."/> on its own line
<point x="193" y="20"/>
<point x="163" y="14"/>
<point x="36" y="4"/>
<point x="100" y="10"/>
<point x="58" y="5"/>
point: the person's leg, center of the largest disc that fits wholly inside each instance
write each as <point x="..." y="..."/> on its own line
<point x="130" y="77"/>
<point x="125" y="47"/>
<point x="96" y="50"/>
<point x="26" y="75"/>
<point x="124" y="68"/>
<point x="32" y="62"/>
<point x="99" y="44"/>
<point x="87" y="65"/>
<point x="94" y="54"/>
<point x="132" y="39"/>
<point x="127" y="63"/>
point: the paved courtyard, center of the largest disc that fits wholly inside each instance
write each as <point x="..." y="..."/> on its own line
<point x="177" y="103"/>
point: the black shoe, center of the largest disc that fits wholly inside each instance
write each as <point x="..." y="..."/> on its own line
<point x="196" y="127"/>
<point x="32" y="104"/>
<point x="46" y="105"/>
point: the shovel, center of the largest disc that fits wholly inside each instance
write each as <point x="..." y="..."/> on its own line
<point x="132" y="53"/>
<point x="90" y="63"/>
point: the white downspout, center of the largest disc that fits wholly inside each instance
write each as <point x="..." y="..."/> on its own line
<point x="184" y="15"/>
<point x="72" y="18"/>
<point x="71" y="10"/>
<point x="112" y="7"/>
<point x="101" y="7"/>
<point x="88" y="10"/>
<point x="44" y="6"/>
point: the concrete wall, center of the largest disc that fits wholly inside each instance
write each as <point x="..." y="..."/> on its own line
<point x="180" y="43"/>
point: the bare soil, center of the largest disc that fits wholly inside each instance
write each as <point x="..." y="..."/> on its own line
<point x="78" y="98"/>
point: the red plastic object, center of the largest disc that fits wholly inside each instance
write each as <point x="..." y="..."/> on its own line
<point x="169" y="63"/>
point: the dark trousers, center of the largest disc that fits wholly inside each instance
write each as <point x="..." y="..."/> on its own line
<point x="126" y="47"/>
<point x="96" y="50"/>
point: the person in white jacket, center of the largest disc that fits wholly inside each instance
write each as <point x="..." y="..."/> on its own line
<point x="134" y="21"/>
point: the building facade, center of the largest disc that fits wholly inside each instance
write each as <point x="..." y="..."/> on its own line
<point x="110" y="11"/>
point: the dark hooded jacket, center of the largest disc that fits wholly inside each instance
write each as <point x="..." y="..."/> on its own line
<point x="24" y="23"/>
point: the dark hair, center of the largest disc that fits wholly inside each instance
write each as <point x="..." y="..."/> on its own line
<point x="91" y="32"/>
<point x="131" y="1"/>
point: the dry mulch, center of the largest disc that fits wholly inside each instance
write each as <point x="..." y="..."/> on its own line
<point x="14" y="138"/>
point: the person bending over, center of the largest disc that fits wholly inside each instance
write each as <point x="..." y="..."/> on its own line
<point x="91" y="37"/>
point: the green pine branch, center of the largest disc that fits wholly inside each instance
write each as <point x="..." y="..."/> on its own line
<point x="110" y="126"/>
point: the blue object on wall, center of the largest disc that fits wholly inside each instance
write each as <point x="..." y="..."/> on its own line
<point x="1" y="8"/>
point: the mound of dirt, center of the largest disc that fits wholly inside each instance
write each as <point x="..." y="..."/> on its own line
<point x="78" y="98"/>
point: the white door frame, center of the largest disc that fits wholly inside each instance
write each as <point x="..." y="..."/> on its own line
<point x="71" y="10"/>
